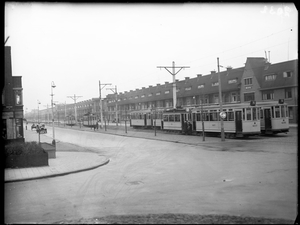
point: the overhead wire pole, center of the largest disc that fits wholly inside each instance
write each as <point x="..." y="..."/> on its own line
<point x="116" y="92"/>
<point x="221" y="103"/>
<point x="75" y="98"/>
<point x="101" y="113"/>
<point x="173" y="73"/>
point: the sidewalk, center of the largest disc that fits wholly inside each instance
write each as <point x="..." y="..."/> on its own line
<point x="69" y="159"/>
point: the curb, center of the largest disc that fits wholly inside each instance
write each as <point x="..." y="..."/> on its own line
<point x="58" y="174"/>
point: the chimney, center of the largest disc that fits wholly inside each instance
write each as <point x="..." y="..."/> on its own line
<point x="137" y="89"/>
<point x="143" y="87"/>
<point x="186" y="78"/>
<point x="166" y="82"/>
<point x="213" y="72"/>
<point x="176" y="80"/>
<point x="150" y="86"/>
<point x="158" y="84"/>
<point x="229" y="68"/>
<point x="199" y="75"/>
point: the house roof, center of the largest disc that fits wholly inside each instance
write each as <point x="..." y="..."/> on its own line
<point x="278" y="69"/>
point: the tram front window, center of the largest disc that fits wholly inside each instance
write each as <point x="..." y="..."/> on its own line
<point x="277" y="112"/>
<point x="283" y="110"/>
<point x="248" y="114"/>
<point x="254" y="113"/>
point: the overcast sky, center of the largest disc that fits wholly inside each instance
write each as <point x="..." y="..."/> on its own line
<point x="76" y="45"/>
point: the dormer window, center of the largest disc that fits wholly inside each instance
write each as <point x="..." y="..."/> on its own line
<point x="270" y="77"/>
<point x="287" y="74"/>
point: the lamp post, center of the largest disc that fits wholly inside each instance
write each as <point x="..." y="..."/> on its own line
<point x="53" y="132"/>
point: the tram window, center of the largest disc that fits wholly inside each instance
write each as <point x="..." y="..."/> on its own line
<point x="261" y="113"/>
<point x="254" y="114"/>
<point x="230" y="116"/>
<point x="277" y="112"/>
<point x="248" y="113"/>
<point x="166" y="118"/>
<point x="243" y="114"/>
<point x="226" y="118"/>
<point x="282" y="111"/>
<point x="272" y="111"/>
<point x="171" y="118"/>
<point x="206" y="118"/>
<point x="177" y="118"/>
<point x="198" y="116"/>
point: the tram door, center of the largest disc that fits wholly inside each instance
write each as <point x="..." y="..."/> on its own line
<point x="238" y="121"/>
<point x="268" y="122"/>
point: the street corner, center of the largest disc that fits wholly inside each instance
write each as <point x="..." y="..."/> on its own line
<point x="69" y="161"/>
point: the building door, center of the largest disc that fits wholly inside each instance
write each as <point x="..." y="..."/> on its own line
<point x="238" y="121"/>
<point x="268" y="122"/>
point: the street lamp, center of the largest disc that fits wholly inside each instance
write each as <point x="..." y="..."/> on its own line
<point x="53" y="133"/>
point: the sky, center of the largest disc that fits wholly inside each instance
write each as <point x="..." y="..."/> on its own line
<point x="76" y="45"/>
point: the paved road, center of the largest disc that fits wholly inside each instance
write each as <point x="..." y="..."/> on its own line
<point x="148" y="176"/>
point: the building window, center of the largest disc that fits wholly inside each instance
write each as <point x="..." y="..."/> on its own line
<point x="248" y="81"/>
<point x="270" y="77"/>
<point x="216" y="98"/>
<point x="18" y="97"/>
<point x="288" y="93"/>
<point x="188" y="88"/>
<point x="287" y="74"/>
<point x="143" y="96"/>
<point x="158" y="93"/>
<point x="290" y="113"/>
<point x="232" y="81"/>
<point x="249" y="97"/>
<point x="136" y="96"/>
<point x="150" y="95"/>
<point x="233" y="97"/>
<point x="167" y="92"/>
<point x="200" y="86"/>
<point x="177" y="90"/>
<point x="268" y="95"/>
<point x="215" y="84"/>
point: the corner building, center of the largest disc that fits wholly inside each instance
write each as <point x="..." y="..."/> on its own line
<point x="12" y="102"/>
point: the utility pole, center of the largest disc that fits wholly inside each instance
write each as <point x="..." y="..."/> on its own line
<point x="101" y="113"/>
<point x="75" y="98"/>
<point x="173" y="73"/>
<point x="220" y="102"/>
<point x="116" y="92"/>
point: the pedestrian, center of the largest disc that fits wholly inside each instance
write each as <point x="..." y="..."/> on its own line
<point x="185" y="127"/>
<point x="189" y="128"/>
<point x="97" y="124"/>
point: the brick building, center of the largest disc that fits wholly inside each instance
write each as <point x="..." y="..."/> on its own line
<point x="12" y="102"/>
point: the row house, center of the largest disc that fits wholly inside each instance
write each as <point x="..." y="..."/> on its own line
<point x="258" y="80"/>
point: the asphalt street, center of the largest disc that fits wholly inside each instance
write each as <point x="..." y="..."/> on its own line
<point x="251" y="177"/>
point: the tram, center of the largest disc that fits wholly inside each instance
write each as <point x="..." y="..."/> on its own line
<point x="239" y="120"/>
<point x="273" y="117"/>
<point x="70" y="120"/>
<point x="90" y="120"/>
<point x="146" y="118"/>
